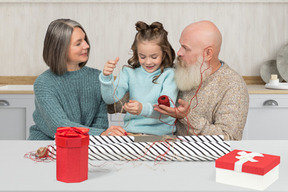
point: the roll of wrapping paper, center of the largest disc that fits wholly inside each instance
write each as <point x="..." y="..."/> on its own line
<point x="72" y="154"/>
<point x="164" y="100"/>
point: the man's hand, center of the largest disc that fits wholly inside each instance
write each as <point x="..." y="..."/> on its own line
<point x="180" y="112"/>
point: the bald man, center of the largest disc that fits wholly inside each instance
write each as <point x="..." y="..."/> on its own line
<point x="213" y="98"/>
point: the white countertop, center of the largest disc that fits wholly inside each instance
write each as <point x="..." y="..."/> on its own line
<point x="16" y="89"/>
<point x="260" y="89"/>
<point x="20" y="174"/>
<point x="143" y="1"/>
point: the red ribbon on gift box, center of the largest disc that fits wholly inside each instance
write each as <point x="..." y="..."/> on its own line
<point x="72" y="131"/>
<point x="72" y="136"/>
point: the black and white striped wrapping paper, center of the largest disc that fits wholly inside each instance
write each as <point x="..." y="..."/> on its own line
<point x="182" y="148"/>
<point x="98" y="140"/>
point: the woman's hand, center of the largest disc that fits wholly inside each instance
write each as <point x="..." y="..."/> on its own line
<point x="114" y="131"/>
<point x="110" y="66"/>
<point x="180" y="112"/>
<point x="133" y="107"/>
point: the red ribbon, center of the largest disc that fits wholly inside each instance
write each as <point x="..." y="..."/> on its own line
<point x="71" y="131"/>
<point x="164" y="100"/>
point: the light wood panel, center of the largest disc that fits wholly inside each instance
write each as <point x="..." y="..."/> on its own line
<point x="29" y="80"/>
<point x="253" y="31"/>
<point x="17" y="80"/>
<point x="253" y="80"/>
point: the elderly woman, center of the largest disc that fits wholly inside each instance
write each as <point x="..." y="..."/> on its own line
<point x="68" y="94"/>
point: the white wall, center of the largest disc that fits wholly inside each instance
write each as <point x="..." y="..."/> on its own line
<point x="253" y="31"/>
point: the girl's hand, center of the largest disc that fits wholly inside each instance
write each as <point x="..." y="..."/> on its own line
<point x="133" y="107"/>
<point x="110" y="66"/>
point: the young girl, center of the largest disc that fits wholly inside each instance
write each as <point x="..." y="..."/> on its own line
<point x="149" y="75"/>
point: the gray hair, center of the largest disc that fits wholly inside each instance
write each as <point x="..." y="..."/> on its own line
<point x="56" y="44"/>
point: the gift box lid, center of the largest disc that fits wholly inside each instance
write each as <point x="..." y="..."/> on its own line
<point x="248" y="162"/>
<point x="72" y="137"/>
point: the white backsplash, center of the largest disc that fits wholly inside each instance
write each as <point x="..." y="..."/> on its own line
<point x="253" y="31"/>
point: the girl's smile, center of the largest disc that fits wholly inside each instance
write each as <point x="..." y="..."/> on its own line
<point x="149" y="68"/>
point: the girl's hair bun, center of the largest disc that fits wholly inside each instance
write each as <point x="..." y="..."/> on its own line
<point x="140" y="26"/>
<point x="156" y="26"/>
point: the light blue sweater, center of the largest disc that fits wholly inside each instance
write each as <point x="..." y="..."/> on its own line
<point x="72" y="99"/>
<point x="138" y="83"/>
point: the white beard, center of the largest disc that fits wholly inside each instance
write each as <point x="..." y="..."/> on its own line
<point x="188" y="75"/>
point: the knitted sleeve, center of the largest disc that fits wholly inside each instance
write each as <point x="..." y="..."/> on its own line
<point x="101" y="120"/>
<point x="113" y="91"/>
<point x="229" y="117"/>
<point x="50" y="112"/>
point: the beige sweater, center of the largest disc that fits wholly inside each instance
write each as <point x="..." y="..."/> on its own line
<point x="222" y="107"/>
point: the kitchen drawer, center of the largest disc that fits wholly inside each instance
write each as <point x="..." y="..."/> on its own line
<point x="268" y="100"/>
<point x="16" y="116"/>
<point x="267" y="117"/>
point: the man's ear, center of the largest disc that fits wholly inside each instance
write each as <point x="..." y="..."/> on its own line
<point x="208" y="53"/>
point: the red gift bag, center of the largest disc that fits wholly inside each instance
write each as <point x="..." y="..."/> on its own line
<point x="72" y="154"/>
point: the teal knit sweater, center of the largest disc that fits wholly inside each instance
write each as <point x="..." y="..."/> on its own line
<point x="138" y="83"/>
<point x="73" y="99"/>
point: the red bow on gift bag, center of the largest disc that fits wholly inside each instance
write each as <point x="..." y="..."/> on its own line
<point x="72" y="154"/>
<point x="71" y="131"/>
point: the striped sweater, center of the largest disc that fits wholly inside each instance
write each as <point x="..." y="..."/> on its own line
<point x="72" y="99"/>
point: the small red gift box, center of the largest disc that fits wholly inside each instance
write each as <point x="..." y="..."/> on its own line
<point x="72" y="154"/>
<point x="247" y="169"/>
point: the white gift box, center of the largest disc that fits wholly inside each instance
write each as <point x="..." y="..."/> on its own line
<point x="247" y="169"/>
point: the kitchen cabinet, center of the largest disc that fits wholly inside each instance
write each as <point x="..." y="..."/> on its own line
<point x="116" y="119"/>
<point x="267" y="117"/>
<point x="16" y="116"/>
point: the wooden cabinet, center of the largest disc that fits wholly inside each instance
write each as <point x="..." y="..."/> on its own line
<point x="267" y="117"/>
<point x="16" y="116"/>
